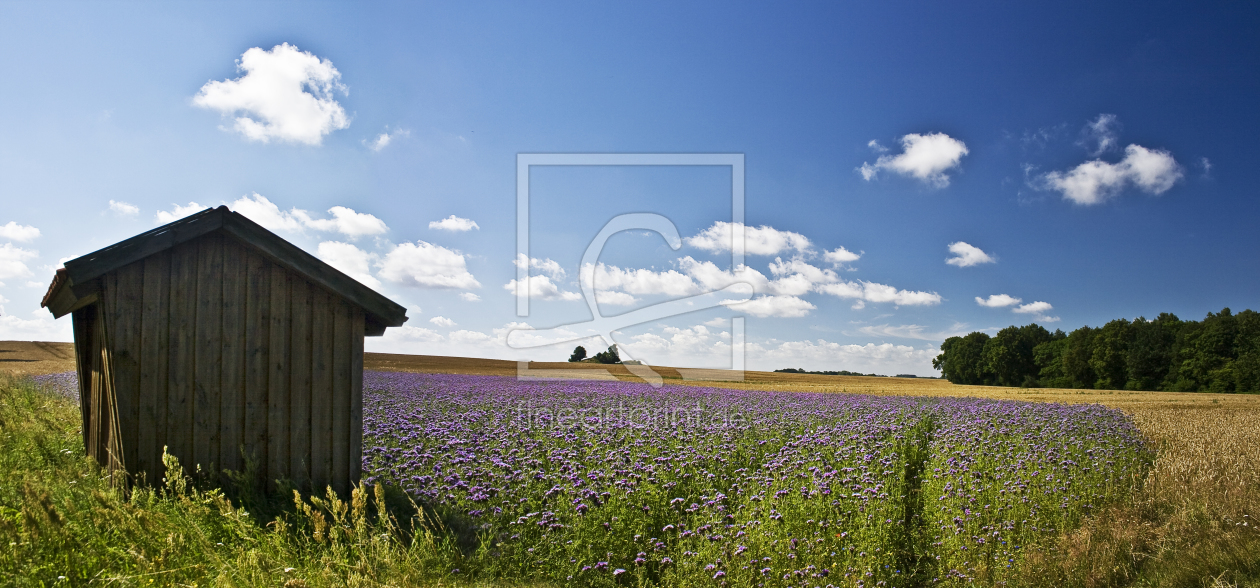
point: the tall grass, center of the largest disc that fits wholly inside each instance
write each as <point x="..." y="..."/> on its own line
<point x="62" y="523"/>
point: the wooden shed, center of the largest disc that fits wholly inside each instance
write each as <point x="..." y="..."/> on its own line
<point x="216" y="338"/>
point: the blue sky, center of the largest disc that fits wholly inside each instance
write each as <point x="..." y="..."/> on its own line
<point x="1096" y="158"/>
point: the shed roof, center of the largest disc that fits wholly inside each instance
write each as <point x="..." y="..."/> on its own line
<point x="73" y="286"/>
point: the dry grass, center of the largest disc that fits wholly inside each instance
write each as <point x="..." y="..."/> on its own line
<point x="1192" y="524"/>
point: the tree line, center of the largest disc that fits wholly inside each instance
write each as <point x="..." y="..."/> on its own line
<point x="1221" y="353"/>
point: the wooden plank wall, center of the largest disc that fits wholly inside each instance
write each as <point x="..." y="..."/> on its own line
<point x="222" y="355"/>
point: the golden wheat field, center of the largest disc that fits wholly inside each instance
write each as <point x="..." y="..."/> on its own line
<point x="1194" y="522"/>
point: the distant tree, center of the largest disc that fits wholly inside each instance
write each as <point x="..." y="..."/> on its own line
<point x="962" y="359"/>
<point x="579" y="353"/>
<point x="1049" y="359"/>
<point x="1009" y="355"/>
<point x="1110" y="355"/>
<point x="1151" y="347"/>
<point x="609" y="356"/>
<point x="1075" y="358"/>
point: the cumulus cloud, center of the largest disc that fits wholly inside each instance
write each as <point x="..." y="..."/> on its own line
<point x="426" y="265"/>
<point x="344" y="220"/>
<point x="442" y="321"/>
<point x="454" y="224"/>
<point x="21" y="233"/>
<point x="612" y="298"/>
<point x="40" y="328"/>
<point x="542" y="288"/>
<point x="912" y="332"/>
<point x="761" y="240"/>
<point x="13" y="262"/>
<point x="351" y="260"/>
<point x="384" y="139"/>
<point x="178" y="212"/>
<point x="1101" y="134"/>
<point x="926" y="158"/>
<point x="546" y="266"/>
<point x="1038" y="309"/>
<point x="637" y="281"/>
<point x="469" y="337"/>
<point x="792" y="278"/>
<point x="840" y="256"/>
<point x="285" y="94"/>
<point x="967" y="255"/>
<point x="885" y="358"/>
<point x="347" y="222"/>
<point x="1153" y="171"/>
<point x="124" y="208"/>
<point x="766" y="306"/>
<point x="469" y="297"/>
<point x="864" y="291"/>
<point x="998" y="301"/>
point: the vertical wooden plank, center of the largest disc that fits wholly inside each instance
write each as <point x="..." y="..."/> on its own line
<point x="209" y="352"/>
<point x="154" y="333"/>
<point x="182" y="330"/>
<point x="321" y="389"/>
<point x="339" y="404"/>
<point x="279" y="367"/>
<point x="128" y="323"/>
<point x="81" y="321"/>
<point x="257" y="347"/>
<point x="109" y="425"/>
<point x="231" y="389"/>
<point x="356" y="393"/>
<point x="300" y="383"/>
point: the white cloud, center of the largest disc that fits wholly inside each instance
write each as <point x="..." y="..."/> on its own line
<point x="761" y="240"/>
<point x="840" y="256"/>
<point x="912" y="332"/>
<point x="454" y="224"/>
<point x="876" y="147"/>
<point x="765" y="306"/>
<point x="20" y="233"/>
<point x="924" y="157"/>
<point x="411" y="334"/>
<point x="875" y="292"/>
<point x="1153" y="171"/>
<point x="178" y="212"/>
<point x="259" y="209"/>
<point x="720" y="321"/>
<point x="346" y="221"/>
<point x="967" y="255"/>
<point x="469" y="297"/>
<point x="466" y="337"/>
<point x="1038" y="307"/>
<point x="351" y="260"/>
<point x="124" y="208"/>
<point x="442" y="321"/>
<point x="1039" y="310"/>
<point x="426" y="265"/>
<point x="1100" y="134"/>
<point x="612" y="298"/>
<point x="12" y="261"/>
<point x="40" y="328"/>
<point x="546" y="266"/>
<point x="885" y="358"/>
<point x="998" y="301"/>
<point x="384" y="139"/>
<point x="638" y="281"/>
<point x="286" y="94"/>
<point x="542" y="288"/>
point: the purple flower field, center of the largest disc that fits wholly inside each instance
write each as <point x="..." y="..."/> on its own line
<point x="618" y="483"/>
